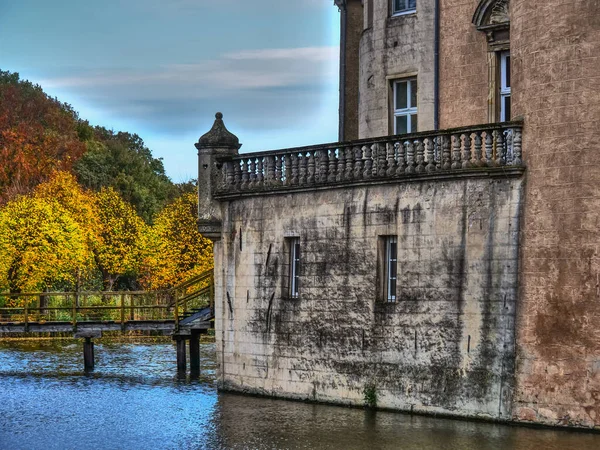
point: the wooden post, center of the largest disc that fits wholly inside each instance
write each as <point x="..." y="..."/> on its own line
<point x="195" y="352"/>
<point x="181" y="362"/>
<point x="75" y="300"/>
<point x="131" y="311"/>
<point x="26" y="310"/>
<point x="88" y="354"/>
<point x="123" y="312"/>
<point x="176" y="311"/>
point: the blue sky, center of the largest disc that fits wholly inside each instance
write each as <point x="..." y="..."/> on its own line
<point x="162" y="68"/>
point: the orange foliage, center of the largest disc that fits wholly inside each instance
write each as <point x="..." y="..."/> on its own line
<point x="37" y="135"/>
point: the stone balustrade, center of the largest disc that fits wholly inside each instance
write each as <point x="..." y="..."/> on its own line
<point x="444" y="152"/>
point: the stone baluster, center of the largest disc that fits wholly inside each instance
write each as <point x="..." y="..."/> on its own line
<point x="500" y="148"/>
<point x="420" y="156"/>
<point x="237" y="173"/>
<point x="270" y="173"/>
<point x="401" y="167"/>
<point x="380" y="157"/>
<point x="332" y="166"/>
<point x="302" y="164"/>
<point x="323" y="165"/>
<point x="429" y="150"/>
<point x="517" y="150"/>
<point x="294" y="161"/>
<point x="446" y="165"/>
<point x="410" y="157"/>
<point x="358" y="163"/>
<point x="489" y="148"/>
<point x="466" y="163"/>
<point x="245" y="175"/>
<point x="229" y="176"/>
<point x="311" y="168"/>
<point x="341" y="165"/>
<point x="391" y="159"/>
<point x="368" y="165"/>
<point x="456" y="151"/>
<point x="252" y="170"/>
<point x="287" y="170"/>
<point x="479" y="161"/>
<point x="278" y="174"/>
<point x="260" y="176"/>
<point x="349" y="154"/>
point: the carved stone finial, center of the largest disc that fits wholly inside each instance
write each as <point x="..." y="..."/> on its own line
<point x="219" y="136"/>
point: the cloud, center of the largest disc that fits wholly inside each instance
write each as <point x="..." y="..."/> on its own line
<point x="248" y="69"/>
<point x="264" y="89"/>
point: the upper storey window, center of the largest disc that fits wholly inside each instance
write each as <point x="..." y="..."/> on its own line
<point x="405" y="106"/>
<point x="403" y="7"/>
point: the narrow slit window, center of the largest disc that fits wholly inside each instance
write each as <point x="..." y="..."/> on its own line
<point x="294" y="267"/>
<point x="405" y="106"/>
<point x="505" y="90"/>
<point x="391" y="262"/>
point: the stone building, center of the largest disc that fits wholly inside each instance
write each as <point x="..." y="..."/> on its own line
<point x="416" y="265"/>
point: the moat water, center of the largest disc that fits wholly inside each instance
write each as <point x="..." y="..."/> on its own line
<point x="134" y="400"/>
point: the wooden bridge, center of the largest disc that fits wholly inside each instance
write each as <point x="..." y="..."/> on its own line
<point x="185" y="311"/>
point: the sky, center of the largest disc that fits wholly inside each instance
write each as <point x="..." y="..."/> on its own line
<point x="162" y="68"/>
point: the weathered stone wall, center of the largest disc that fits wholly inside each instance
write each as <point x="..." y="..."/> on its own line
<point x="446" y="345"/>
<point x="463" y="66"/>
<point x="556" y="77"/>
<point x="395" y="47"/>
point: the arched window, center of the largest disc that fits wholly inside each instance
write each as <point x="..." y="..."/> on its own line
<point x="492" y="18"/>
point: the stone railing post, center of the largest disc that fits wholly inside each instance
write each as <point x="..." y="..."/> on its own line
<point x="214" y="149"/>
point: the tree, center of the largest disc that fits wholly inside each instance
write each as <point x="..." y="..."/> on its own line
<point x="120" y="231"/>
<point x="122" y="161"/>
<point x="174" y="250"/>
<point x="62" y="188"/>
<point x="40" y="244"/>
<point x="37" y="135"/>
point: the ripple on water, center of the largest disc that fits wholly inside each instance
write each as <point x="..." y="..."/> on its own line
<point x="134" y="400"/>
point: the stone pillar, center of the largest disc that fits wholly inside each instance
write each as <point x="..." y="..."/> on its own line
<point x="214" y="147"/>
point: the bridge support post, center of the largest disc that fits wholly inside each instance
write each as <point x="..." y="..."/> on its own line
<point x="195" y="352"/>
<point x="88" y="354"/>
<point x="88" y="347"/>
<point x="181" y="356"/>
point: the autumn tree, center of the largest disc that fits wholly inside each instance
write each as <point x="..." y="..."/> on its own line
<point x="37" y="135"/>
<point x="174" y="249"/>
<point x="120" y="231"/>
<point x="81" y="206"/>
<point x="122" y="161"/>
<point x="40" y="244"/>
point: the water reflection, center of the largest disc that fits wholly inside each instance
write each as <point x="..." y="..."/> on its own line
<point x="134" y="399"/>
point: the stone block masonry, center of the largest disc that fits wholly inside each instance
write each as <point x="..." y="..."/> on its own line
<point x="446" y="345"/>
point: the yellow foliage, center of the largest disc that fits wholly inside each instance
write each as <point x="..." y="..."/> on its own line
<point x="40" y="243"/>
<point x="173" y="249"/>
<point x="120" y="229"/>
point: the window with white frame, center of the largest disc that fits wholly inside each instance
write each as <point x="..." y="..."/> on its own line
<point x="405" y="106"/>
<point x="505" y="112"/>
<point x="400" y="7"/>
<point x="391" y="267"/>
<point x="294" y="280"/>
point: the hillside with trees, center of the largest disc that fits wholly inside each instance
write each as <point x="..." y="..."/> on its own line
<point x="84" y="207"/>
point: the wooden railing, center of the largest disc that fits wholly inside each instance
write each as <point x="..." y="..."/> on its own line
<point x="113" y="306"/>
<point x="458" y="150"/>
